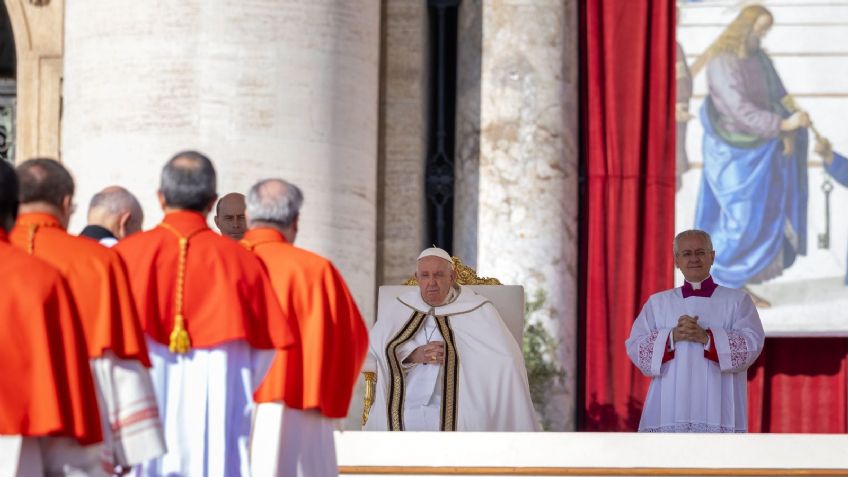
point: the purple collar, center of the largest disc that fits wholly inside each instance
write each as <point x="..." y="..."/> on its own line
<point x="708" y="286"/>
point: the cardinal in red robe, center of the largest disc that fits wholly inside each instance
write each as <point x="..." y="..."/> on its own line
<point x="310" y="385"/>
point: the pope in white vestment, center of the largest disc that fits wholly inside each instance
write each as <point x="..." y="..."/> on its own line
<point x="452" y="366"/>
<point x="696" y="342"/>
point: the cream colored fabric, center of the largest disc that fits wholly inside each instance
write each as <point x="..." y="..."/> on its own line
<point x="132" y="431"/>
<point x="49" y="457"/>
<point x="435" y="252"/>
<point x="491" y="381"/>
<point x="507" y="299"/>
<point x="205" y="397"/>
<point x="19" y="456"/>
<point x="290" y="442"/>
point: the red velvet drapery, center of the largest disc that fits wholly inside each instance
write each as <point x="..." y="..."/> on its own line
<point x="799" y="385"/>
<point x="627" y="75"/>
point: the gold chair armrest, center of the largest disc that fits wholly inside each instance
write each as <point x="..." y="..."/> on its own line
<point x="370" y="388"/>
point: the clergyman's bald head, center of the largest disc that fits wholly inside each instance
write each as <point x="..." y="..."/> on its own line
<point x="117" y="210"/>
<point x="229" y="215"/>
<point x="233" y="199"/>
<point x="114" y="200"/>
<point x="274" y="203"/>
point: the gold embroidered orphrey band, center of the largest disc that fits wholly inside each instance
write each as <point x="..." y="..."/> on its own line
<point x="450" y="377"/>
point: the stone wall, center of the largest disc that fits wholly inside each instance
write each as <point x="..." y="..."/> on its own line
<point x="517" y="160"/>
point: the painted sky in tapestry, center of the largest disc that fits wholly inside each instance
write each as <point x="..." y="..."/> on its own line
<point x="772" y="193"/>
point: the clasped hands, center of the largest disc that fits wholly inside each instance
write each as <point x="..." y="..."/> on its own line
<point x="430" y="353"/>
<point x="688" y="329"/>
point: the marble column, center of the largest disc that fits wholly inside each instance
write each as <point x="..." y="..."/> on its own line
<point x="38" y="30"/>
<point x="265" y="88"/>
<point x="517" y="162"/>
<point x="403" y="129"/>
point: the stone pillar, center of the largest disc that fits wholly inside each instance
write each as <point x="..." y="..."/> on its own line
<point x="38" y="28"/>
<point x="403" y="129"/>
<point x="517" y="162"/>
<point x="265" y="88"/>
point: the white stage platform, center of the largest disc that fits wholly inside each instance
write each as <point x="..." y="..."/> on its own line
<point x="590" y="454"/>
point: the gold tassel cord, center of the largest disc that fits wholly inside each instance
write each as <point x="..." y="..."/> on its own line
<point x="370" y="388"/>
<point x="33" y="228"/>
<point x="180" y="341"/>
<point x="33" y="231"/>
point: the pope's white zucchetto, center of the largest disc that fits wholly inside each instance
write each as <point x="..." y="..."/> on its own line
<point x="436" y="252"/>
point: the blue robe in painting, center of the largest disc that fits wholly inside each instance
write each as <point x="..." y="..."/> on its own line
<point x="753" y="198"/>
<point x="838" y="169"/>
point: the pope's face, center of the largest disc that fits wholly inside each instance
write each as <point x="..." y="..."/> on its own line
<point x="693" y="258"/>
<point x="435" y="277"/>
<point x="230" y="219"/>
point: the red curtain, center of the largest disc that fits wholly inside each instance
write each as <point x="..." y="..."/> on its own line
<point x="799" y="385"/>
<point x="627" y="73"/>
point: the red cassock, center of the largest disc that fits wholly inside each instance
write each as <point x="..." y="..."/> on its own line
<point x="97" y="278"/>
<point x="46" y="387"/>
<point x="319" y="374"/>
<point x="225" y="292"/>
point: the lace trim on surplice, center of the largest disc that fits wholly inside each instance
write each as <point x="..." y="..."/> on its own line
<point x="646" y="352"/>
<point x="692" y="427"/>
<point x="738" y="349"/>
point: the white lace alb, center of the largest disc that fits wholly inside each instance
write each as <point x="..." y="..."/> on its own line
<point x="738" y="349"/>
<point x="693" y="427"/>
<point x="646" y="352"/>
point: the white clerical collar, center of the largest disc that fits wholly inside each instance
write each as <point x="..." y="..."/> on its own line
<point x="697" y="285"/>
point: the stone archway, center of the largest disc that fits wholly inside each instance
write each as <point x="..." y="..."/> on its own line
<point x="7" y="87"/>
<point x="38" y="27"/>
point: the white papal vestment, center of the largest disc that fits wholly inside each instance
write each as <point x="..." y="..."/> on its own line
<point x="690" y="393"/>
<point x="481" y="386"/>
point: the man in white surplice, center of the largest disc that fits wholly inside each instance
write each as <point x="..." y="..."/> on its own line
<point x="696" y="342"/>
<point x="445" y="360"/>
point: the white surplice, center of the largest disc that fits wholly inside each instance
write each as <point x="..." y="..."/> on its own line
<point x="49" y="456"/>
<point x="108" y="241"/>
<point x="691" y="393"/>
<point x="129" y="417"/>
<point x="206" y="405"/>
<point x="485" y="389"/>
<point x="132" y="431"/>
<point x="291" y="442"/>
